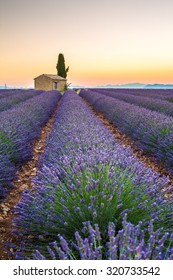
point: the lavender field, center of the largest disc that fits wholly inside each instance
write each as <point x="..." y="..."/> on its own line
<point x="151" y="130"/>
<point x="19" y="126"/>
<point x="92" y="198"/>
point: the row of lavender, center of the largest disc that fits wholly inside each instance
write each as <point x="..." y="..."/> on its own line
<point x="19" y="126"/>
<point x="8" y="101"/>
<point x="93" y="199"/>
<point x="152" y="131"/>
<point x="163" y="94"/>
<point x="8" y="92"/>
<point x="152" y="103"/>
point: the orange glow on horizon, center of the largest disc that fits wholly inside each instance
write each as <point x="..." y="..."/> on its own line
<point x="102" y="44"/>
<point x="151" y="76"/>
<point x="91" y="78"/>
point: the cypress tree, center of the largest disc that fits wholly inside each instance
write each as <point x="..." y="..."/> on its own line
<point x="61" y="69"/>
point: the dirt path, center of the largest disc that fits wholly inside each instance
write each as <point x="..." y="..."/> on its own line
<point x="128" y="142"/>
<point x="24" y="181"/>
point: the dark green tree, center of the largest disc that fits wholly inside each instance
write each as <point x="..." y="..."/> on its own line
<point x="61" y="69"/>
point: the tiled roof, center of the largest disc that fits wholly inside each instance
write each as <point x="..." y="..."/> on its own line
<point x="52" y="76"/>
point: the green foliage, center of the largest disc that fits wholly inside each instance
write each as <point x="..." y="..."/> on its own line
<point x="170" y="99"/>
<point x="8" y="147"/>
<point x="61" y="69"/>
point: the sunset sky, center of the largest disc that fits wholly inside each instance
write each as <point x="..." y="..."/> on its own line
<point x="104" y="42"/>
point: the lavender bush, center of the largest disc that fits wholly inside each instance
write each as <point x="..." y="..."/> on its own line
<point x="16" y="98"/>
<point x="8" y="92"/>
<point x="152" y="131"/>
<point x="163" y="94"/>
<point x="18" y="128"/>
<point x="161" y="106"/>
<point x="129" y="243"/>
<point x="85" y="175"/>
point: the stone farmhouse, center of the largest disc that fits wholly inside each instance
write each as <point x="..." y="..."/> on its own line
<point x="49" y="82"/>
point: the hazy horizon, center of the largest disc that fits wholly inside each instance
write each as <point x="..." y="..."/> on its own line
<point x="129" y="85"/>
<point x="112" y="42"/>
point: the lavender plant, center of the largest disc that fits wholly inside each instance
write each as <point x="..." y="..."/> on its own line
<point x="18" y="128"/>
<point x="85" y="175"/>
<point x="8" y="92"/>
<point x="159" y="105"/>
<point x="129" y="243"/>
<point x="163" y="94"/>
<point x="19" y="96"/>
<point x="152" y="131"/>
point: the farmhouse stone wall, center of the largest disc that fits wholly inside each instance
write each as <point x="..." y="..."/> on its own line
<point x="61" y="85"/>
<point x="43" y="83"/>
<point x="46" y="83"/>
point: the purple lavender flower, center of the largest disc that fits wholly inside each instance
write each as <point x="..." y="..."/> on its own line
<point x="19" y="126"/>
<point x="86" y="175"/>
<point x="152" y="131"/>
<point x="126" y="244"/>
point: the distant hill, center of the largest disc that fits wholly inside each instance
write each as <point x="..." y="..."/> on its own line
<point x="139" y="85"/>
<point x="130" y="85"/>
<point x="160" y="86"/>
<point x="134" y="85"/>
